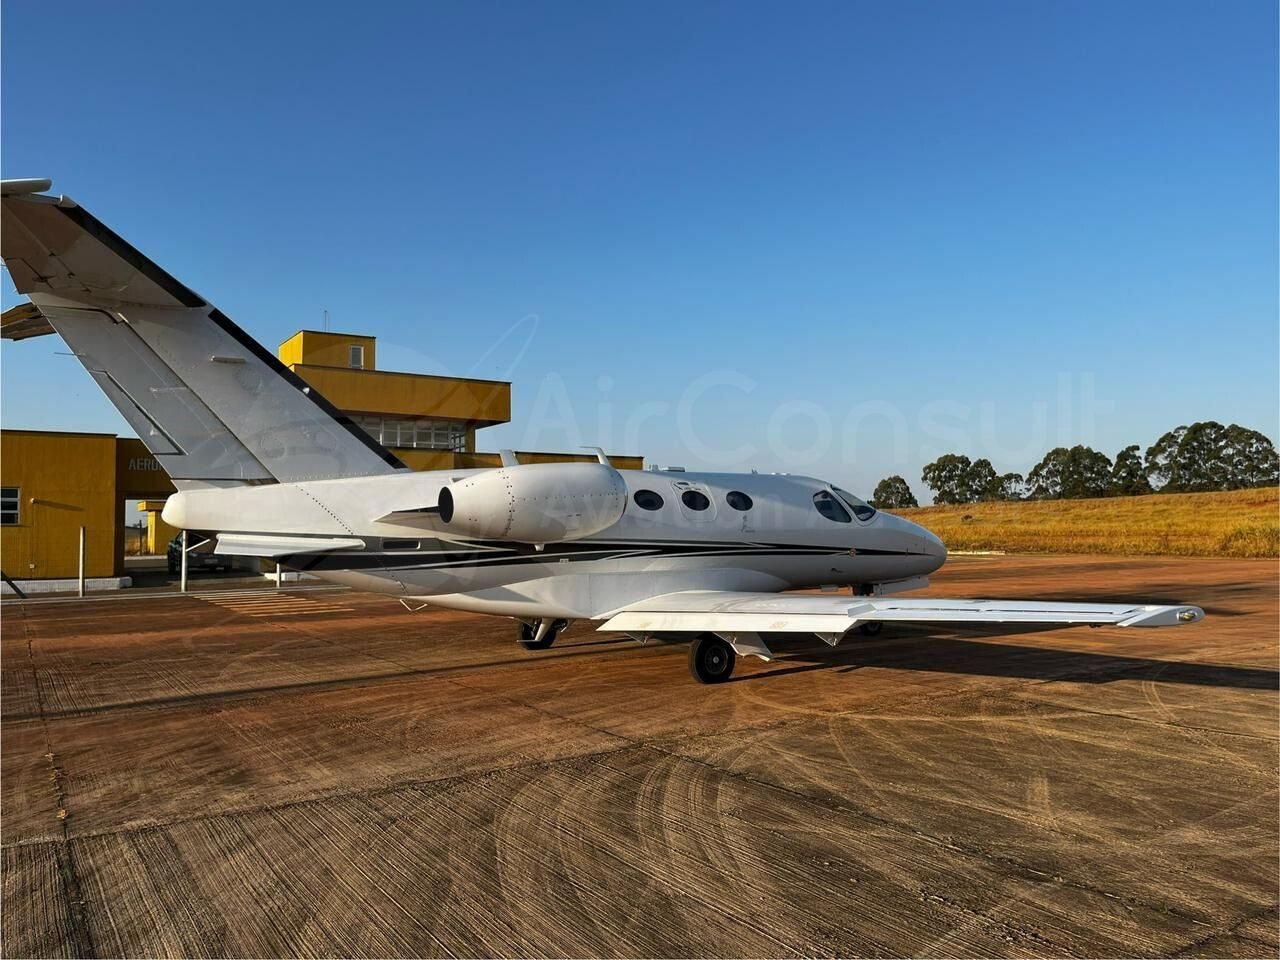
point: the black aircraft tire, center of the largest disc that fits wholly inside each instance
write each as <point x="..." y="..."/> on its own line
<point x="871" y="628"/>
<point x="711" y="660"/>
<point x="530" y="630"/>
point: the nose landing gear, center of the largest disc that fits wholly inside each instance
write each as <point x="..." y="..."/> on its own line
<point x="540" y="634"/>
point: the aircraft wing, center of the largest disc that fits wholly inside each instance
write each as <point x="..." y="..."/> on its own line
<point x="831" y="617"/>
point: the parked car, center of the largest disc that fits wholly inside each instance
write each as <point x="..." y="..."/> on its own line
<point x="200" y="555"/>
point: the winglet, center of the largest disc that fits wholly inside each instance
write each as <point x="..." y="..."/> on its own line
<point x="508" y="458"/>
<point x="1163" y="616"/>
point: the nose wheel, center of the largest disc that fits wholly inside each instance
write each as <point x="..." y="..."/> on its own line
<point x="711" y="660"/>
<point x="540" y="634"/>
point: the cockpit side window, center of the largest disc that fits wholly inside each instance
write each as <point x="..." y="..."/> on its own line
<point x="830" y="507"/>
<point x="861" y="509"/>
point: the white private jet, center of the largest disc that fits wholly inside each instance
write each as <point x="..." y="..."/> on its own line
<point x="264" y="463"/>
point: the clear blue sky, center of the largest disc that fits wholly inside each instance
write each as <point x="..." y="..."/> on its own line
<point x="837" y="239"/>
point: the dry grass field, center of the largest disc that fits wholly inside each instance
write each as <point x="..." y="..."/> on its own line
<point x="1238" y="523"/>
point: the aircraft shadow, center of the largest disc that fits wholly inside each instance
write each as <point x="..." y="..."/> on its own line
<point x="919" y="651"/>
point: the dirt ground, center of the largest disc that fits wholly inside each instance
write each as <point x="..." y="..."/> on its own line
<point x="326" y="773"/>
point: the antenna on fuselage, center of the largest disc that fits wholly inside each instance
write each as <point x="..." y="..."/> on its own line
<point x="508" y="458"/>
<point x="600" y="454"/>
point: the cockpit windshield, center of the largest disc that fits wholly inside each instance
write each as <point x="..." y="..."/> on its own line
<point x="861" y="509"/>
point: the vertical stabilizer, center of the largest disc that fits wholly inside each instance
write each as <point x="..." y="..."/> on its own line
<point x="208" y="400"/>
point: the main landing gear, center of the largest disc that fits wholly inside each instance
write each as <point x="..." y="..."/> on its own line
<point x="711" y="659"/>
<point x="540" y="634"/>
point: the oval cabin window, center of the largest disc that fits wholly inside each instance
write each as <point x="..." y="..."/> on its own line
<point x="695" y="500"/>
<point x="647" y="500"/>
<point x="738" y="500"/>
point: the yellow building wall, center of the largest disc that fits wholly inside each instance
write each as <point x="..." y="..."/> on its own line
<point x="139" y="474"/>
<point x="159" y="533"/>
<point x="64" y="481"/>
<point x="417" y="458"/>
<point x="411" y="394"/>
<point x="322" y="349"/>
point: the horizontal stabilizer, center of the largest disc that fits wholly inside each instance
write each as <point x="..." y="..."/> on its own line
<point x="425" y="518"/>
<point x="16" y="188"/>
<point x="264" y="545"/>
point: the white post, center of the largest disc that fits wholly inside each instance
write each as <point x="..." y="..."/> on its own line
<point x="278" y="576"/>
<point x="183" y="582"/>
<point x="81" y="566"/>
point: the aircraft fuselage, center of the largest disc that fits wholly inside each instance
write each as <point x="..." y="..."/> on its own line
<point x="678" y="531"/>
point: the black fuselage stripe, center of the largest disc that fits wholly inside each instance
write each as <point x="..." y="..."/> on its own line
<point x="404" y="561"/>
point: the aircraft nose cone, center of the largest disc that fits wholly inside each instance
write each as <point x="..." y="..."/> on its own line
<point x="915" y="539"/>
<point x="933" y="545"/>
<point x="928" y="543"/>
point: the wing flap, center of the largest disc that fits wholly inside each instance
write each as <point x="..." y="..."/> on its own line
<point x="722" y="612"/>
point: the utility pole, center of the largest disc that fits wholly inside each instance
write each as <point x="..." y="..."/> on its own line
<point x="80" y="576"/>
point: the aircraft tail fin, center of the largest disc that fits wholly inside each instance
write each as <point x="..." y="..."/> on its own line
<point x="210" y="403"/>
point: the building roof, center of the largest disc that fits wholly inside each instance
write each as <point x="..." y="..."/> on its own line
<point x="23" y="322"/>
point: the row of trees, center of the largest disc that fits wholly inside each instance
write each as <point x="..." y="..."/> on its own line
<point x="1200" y="457"/>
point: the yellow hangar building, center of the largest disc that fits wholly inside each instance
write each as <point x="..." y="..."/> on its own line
<point x="54" y="483"/>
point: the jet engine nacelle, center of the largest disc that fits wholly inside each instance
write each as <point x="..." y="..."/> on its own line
<point x="536" y="502"/>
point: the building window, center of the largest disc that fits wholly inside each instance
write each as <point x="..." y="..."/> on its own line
<point x="420" y="433"/>
<point x="9" y="506"/>
<point x="357" y="357"/>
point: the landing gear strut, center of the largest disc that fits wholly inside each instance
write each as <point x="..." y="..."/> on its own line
<point x="711" y="660"/>
<point x="529" y="633"/>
